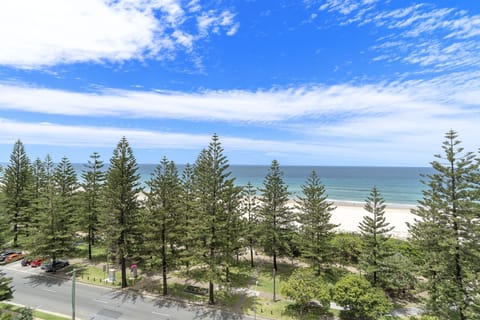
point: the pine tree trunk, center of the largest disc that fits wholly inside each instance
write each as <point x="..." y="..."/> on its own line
<point x="90" y="244"/>
<point x="251" y="253"/>
<point x="211" y="299"/>
<point x="458" y="274"/>
<point x="164" y="261"/>
<point x="15" y="233"/>
<point x="123" y="266"/>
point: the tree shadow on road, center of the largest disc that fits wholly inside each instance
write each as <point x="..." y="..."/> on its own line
<point x="212" y="313"/>
<point x="49" y="280"/>
<point x="127" y="294"/>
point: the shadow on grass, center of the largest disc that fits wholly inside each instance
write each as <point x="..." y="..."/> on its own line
<point x="99" y="253"/>
<point x="283" y="273"/>
<point x="248" y="305"/>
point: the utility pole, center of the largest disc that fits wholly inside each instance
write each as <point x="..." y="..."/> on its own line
<point x="74" y="277"/>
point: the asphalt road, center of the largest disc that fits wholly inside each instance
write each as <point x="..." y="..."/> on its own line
<point x="38" y="290"/>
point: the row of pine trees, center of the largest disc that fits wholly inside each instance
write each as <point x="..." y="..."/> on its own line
<point x="197" y="218"/>
<point x="201" y="218"/>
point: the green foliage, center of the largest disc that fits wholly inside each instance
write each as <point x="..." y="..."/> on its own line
<point x="56" y="207"/>
<point x="424" y="317"/>
<point x="17" y="193"/>
<point x="447" y="232"/>
<point x="162" y="234"/>
<point x="360" y="299"/>
<point x="122" y="220"/>
<point x="314" y="216"/>
<point x="374" y="230"/>
<point x="397" y="274"/>
<point x="93" y="180"/>
<point x="249" y="208"/>
<point x="214" y="194"/>
<point x="347" y="248"/>
<point x="304" y="286"/>
<point x="187" y="219"/>
<point x="275" y="216"/>
<point x="234" y="227"/>
<point x="26" y="314"/>
<point x="6" y="291"/>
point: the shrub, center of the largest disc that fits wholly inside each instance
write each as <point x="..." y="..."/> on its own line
<point x="360" y="299"/>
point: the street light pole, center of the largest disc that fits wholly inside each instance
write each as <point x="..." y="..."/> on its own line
<point x="74" y="277"/>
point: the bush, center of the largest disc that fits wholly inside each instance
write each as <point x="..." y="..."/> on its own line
<point x="347" y="248"/>
<point x="26" y="314"/>
<point x="305" y="288"/>
<point x="360" y="299"/>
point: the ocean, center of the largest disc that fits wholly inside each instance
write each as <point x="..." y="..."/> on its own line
<point x="398" y="185"/>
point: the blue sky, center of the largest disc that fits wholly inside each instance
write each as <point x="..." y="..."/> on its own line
<point x="353" y="82"/>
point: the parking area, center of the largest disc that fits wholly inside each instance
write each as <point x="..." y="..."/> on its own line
<point x="17" y="266"/>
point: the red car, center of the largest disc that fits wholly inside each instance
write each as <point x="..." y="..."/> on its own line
<point x="36" y="263"/>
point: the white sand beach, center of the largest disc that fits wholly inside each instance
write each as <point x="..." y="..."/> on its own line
<point x="348" y="216"/>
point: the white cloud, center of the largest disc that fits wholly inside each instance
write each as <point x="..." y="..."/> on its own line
<point x="213" y="21"/>
<point x="49" y="134"/>
<point x="440" y="97"/>
<point x="36" y="34"/>
<point x="397" y="118"/>
<point x="432" y="38"/>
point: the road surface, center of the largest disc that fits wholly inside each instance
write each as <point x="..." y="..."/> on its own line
<point x="38" y="290"/>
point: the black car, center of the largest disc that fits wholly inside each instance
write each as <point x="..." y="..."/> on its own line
<point x="26" y="261"/>
<point x="59" y="264"/>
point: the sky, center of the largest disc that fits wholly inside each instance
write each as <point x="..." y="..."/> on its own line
<point x="306" y="82"/>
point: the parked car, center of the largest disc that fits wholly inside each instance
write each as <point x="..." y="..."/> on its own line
<point x="14" y="257"/>
<point x="59" y="264"/>
<point x="6" y="253"/>
<point x="26" y="261"/>
<point x="36" y="262"/>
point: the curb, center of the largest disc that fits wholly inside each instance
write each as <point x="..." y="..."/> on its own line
<point x="66" y="316"/>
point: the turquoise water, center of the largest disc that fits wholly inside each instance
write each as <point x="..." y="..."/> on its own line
<point x="344" y="184"/>
<point x="398" y="185"/>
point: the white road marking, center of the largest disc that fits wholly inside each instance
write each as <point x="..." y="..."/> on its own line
<point x="101" y="301"/>
<point x="49" y="290"/>
<point x="161" y="314"/>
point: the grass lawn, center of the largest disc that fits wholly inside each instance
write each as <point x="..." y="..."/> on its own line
<point x="239" y="274"/>
<point x="265" y="277"/>
<point x="37" y="314"/>
<point x="99" y="253"/>
<point x="283" y="310"/>
<point x="95" y="275"/>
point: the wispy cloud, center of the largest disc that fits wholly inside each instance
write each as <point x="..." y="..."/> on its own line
<point x="437" y="97"/>
<point x="35" y="34"/>
<point x="50" y="134"/>
<point x="399" y="118"/>
<point x="435" y="39"/>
